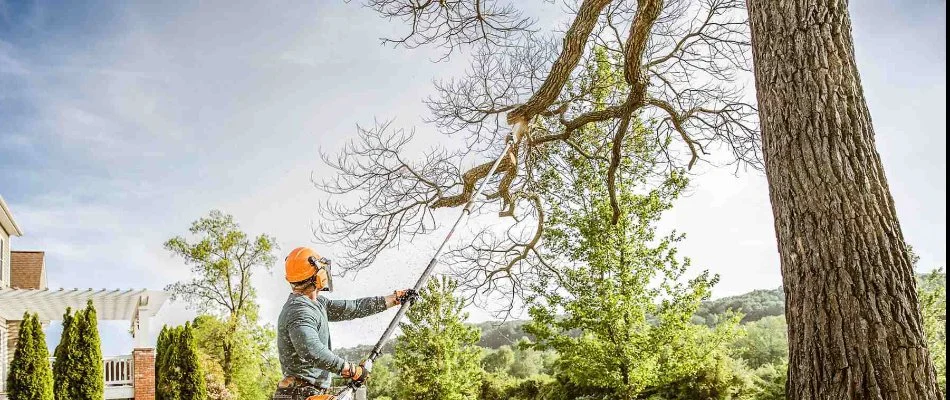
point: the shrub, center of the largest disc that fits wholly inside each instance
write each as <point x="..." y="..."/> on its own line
<point x="88" y="382"/>
<point x="30" y="376"/>
<point x="64" y="365"/>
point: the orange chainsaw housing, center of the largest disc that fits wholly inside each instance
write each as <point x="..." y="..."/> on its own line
<point x="322" y="397"/>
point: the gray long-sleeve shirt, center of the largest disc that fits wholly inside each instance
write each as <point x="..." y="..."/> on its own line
<point x="303" y="334"/>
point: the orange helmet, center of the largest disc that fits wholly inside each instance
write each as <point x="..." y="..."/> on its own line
<point x="304" y="264"/>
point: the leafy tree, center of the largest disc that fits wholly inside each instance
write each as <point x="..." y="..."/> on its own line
<point x="537" y="387"/>
<point x="255" y="367"/>
<point x="498" y="361"/>
<point x="179" y="374"/>
<point x="494" y="387"/>
<point x="78" y="368"/>
<point x="527" y="361"/>
<point x="167" y="373"/>
<point x="30" y="376"/>
<point x="933" y="301"/>
<point x="437" y="348"/>
<point x="222" y="262"/>
<point x="771" y="381"/>
<point x="763" y="342"/>
<point x="214" y="378"/>
<point x="65" y="354"/>
<point x="617" y="310"/>
<point x="88" y="376"/>
<point x="720" y="378"/>
<point x="384" y="379"/>
<point x="193" y="379"/>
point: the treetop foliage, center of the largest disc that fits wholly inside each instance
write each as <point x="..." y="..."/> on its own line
<point x="222" y="262"/>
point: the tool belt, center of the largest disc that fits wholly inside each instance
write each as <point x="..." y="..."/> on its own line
<point x="293" y="388"/>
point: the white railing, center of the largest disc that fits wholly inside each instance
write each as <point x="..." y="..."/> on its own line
<point x="118" y="370"/>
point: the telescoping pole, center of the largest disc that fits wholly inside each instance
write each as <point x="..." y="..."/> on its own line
<point x="435" y="257"/>
<point x="377" y="350"/>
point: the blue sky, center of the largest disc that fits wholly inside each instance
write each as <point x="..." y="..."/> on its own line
<point x="121" y="122"/>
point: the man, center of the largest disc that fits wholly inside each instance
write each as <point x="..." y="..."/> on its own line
<point x="303" y="335"/>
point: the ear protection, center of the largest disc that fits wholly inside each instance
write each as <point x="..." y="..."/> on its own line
<point x="323" y="279"/>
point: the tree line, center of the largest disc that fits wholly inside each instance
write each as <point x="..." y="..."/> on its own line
<point x="752" y="361"/>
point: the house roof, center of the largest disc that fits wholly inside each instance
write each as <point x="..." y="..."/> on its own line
<point x="7" y="223"/>
<point x="27" y="270"/>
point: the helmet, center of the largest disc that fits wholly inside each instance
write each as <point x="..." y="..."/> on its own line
<point x="303" y="265"/>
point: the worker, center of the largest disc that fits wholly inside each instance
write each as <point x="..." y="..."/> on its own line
<point x="303" y="333"/>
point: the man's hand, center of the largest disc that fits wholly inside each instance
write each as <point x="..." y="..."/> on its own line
<point x="356" y="373"/>
<point x="402" y="296"/>
<point x="406" y="296"/>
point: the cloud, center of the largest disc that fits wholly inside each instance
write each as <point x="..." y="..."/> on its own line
<point x="9" y="63"/>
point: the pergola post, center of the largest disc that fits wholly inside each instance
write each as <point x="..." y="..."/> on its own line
<point x="141" y="322"/>
<point x="143" y="353"/>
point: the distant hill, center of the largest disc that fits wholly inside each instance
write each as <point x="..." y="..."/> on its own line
<point x="494" y="335"/>
<point x="497" y="333"/>
<point x="754" y="306"/>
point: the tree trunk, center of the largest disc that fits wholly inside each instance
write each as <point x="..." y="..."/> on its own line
<point x="854" y="322"/>
<point x="227" y="365"/>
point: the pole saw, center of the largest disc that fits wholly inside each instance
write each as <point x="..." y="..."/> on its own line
<point x="348" y="392"/>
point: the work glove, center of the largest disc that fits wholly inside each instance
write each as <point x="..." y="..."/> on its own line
<point x="406" y="296"/>
<point x="358" y="374"/>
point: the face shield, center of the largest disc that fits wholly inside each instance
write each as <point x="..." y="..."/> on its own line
<point x="324" y="280"/>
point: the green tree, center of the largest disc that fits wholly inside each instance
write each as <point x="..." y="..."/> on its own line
<point x="30" y="376"/>
<point x="65" y="358"/>
<point x="384" y="379"/>
<point x="193" y="378"/>
<point x="223" y="260"/>
<point x="166" y="377"/>
<point x="437" y="349"/>
<point x="932" y="290"/>
<point x="179" y="374"/>
<point x="214" y="378"/>
<point x="764" y="342"/>
<point x="254" y="363"/>
<point x="88" y="374"/>
<point x="527" y="361"/>
<point x="498" y="361"/>
<point x="719" y="378"/>
<point x="771" y="381"/>
<point x="615" y="306"/>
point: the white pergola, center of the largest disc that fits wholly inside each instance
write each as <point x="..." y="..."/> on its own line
<point x="134" y="305"/>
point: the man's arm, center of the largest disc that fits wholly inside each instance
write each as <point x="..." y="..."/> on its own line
<point x="307" y="344"/>
<point x="343" y="310"/>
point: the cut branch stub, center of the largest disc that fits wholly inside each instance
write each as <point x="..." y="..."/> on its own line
<point x="470" y="179"/>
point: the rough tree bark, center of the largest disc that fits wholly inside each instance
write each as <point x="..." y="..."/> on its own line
<point x="854" y="324"/>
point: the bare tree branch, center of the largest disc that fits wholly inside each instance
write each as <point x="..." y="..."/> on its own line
<point x="667" y="72"/>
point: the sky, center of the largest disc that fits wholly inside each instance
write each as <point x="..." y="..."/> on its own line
<point x="122" y="122"/>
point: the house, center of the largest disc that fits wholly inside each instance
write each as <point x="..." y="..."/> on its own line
<point x="23" y="288"/>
